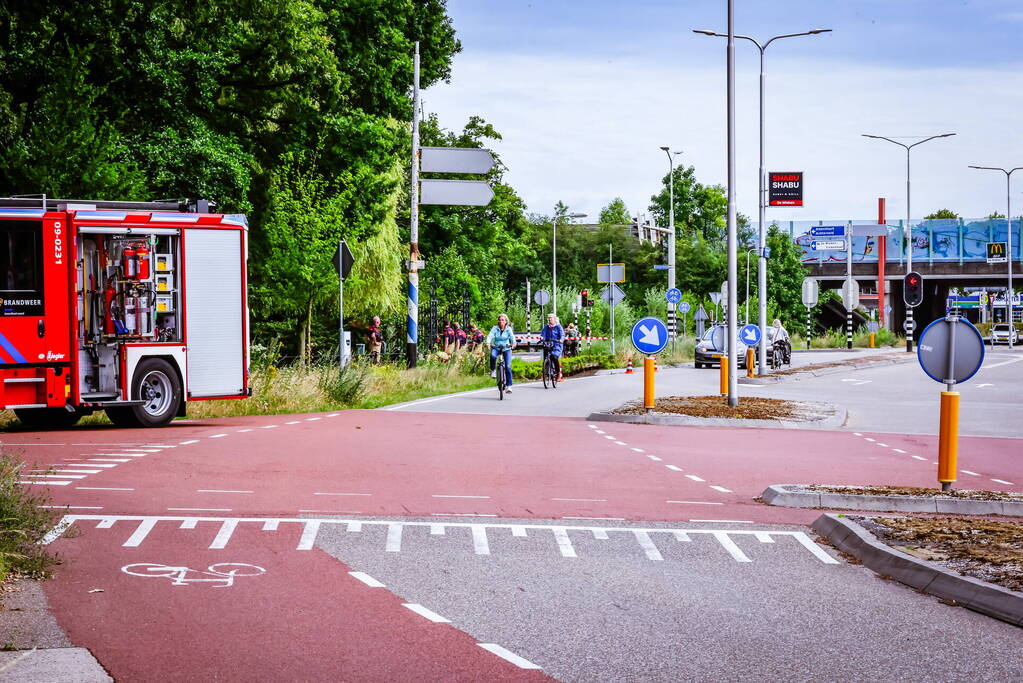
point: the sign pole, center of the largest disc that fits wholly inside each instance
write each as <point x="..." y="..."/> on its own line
<point x="610" y="260"/>
<point x="848" y="279"/>
<point x="808" y="308"/>
<point x="341" y="317"/>
<point x="948" y="430"/>
<point x="412" y="326"/>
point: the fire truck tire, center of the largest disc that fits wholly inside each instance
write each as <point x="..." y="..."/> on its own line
<point x="47" y="417"/>
<point x="157" y="384"/>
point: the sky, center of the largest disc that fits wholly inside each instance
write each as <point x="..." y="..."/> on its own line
<point x="585" y="92"/>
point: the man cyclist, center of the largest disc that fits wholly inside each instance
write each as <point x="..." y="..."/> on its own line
<point x="501" y="340"/>
<point x="553" y="333"/>
<point x="781" y="336"/>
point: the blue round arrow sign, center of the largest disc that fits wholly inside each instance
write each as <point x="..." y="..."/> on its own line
<point x="674" y="295"/>
<point x="649" y="335"/>
<point x="749" y="335"/>
<point x="683" y="307"/>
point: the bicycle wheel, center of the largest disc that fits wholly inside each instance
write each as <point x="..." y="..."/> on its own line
<point x="501" y="379"/>
<point x="554" y="376"/>
<point x="546" y="372"/>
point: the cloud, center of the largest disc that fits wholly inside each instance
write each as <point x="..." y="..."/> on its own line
<point x="585" y="130"/>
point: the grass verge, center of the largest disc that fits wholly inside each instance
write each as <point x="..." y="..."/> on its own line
<point x="23" y="523"/>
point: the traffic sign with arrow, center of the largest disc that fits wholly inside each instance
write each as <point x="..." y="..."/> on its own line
<point x="456" y="160"/>
<point x="649" y="335"/>
<point x="749" y="335"/>
<point x="455" y="192"/>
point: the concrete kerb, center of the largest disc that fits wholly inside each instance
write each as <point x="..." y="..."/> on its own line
<point x="800" y="496"/>
<point x="927" y="577"/>
<point x="807" y="374"/>
<point x="836" y="419"/>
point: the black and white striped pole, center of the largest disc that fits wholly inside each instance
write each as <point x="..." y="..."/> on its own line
<point x="811" y="292"/>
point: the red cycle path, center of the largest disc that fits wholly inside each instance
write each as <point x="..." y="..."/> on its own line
<point x="304" y="619"/>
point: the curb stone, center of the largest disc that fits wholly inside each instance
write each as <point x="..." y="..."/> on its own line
<point x="796" y="495"/>
<point x="54" y="665"/>
<point x="927" y="577"/>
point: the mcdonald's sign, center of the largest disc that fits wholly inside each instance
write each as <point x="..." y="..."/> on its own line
<point x="996" y="252"/>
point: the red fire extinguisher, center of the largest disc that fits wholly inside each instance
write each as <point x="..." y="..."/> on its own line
<point x="108" y="312"/>
<point x="142" y="254"/>
<point x="128" y="264"/>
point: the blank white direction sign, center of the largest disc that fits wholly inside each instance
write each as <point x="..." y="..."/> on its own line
<point x="455" y="192"/>
<point x="456" y="160"/>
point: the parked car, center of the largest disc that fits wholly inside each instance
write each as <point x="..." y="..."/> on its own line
<point x="1000" y="334"/>
<point x="707" y="357"/>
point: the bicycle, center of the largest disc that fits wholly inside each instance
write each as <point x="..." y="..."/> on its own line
<point x="502" y="379"/>
<point x="549" y="372"/>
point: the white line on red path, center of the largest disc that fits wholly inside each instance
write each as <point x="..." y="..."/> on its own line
<point x="898" y="450"/>
<point x="72" y="507"/>
<point x="620" y="443"/>
<point x="220" y="491"/>
<point x="674" y="468"/>
<point x="366" y="579"/>
<point x="269" y="427"/>
<point x="100" y="488"/>
<point x="445" y="495"/>
<point x="654" y="457"/>
<point x="293" y="422"/>
<point x="185" y="443"/>
<point x="969" y="472"/>
<point x="424" y="612"/>
<point x="109" y="459"/>
<point x="917" y="457"/>
<point x="694" y="477"/>
<point x="638" y="450"/>
<point x="509" y="656"/>
<point x="83" y="464"/>
<point x="691" y="502"/>
<point x="882" y="445"/>
<point x="217" y="436"/>
<point x="583" y="500"/>
<point x="722" y="489"/>
<point x="241" y="431"/>
<point x="328" y="493"/>
<point x="868" y="438"/>
<point x="1002" y="481"/>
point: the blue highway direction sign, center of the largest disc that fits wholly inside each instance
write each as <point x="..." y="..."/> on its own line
<point x="749" y="335"/>
<point x="649" y="335"/>
<point x="827" y="231"/>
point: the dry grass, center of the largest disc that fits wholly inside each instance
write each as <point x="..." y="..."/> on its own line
<point x="749" y="408"/>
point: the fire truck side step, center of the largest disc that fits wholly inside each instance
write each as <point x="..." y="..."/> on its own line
<point x="17" y="380"/>
<point x="99" y="396"/>
<point x="26" y="406"/>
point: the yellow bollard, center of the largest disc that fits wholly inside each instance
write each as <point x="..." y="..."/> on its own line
<point x="871" y="340"/>
<point x="750" y="365"/>
<point x="948" y="439"/>
<point x="724" y="375"/>
<point x="648" y="383"/>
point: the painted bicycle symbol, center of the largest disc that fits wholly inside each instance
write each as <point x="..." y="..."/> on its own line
<point x="223" y="573"/>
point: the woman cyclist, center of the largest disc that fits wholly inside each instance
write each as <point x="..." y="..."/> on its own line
<point x="501" y="340"/>
<point x="554" y="336"/>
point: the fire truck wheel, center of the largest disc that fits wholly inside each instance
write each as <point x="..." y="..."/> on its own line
<point x="47" y="417"/>
<point x="157" y="385"/>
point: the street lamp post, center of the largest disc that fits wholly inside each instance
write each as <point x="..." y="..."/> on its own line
<point x="671" y="237"/>
<point x="909" y="228"/>
<point x="762" y="203"/>
<point x="1008" y="220"/>
<point x="748" y="252"/>
<point x="554" y="258"/>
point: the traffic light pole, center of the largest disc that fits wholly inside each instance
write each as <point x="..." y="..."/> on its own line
<point x="412" y="326"/>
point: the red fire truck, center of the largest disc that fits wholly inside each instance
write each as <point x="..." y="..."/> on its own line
<point x="128" y="307"/>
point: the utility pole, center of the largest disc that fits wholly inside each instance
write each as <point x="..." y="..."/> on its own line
<point x="412" y="328"/>
<point x="732" y="313"/>
<point x="671" y="239"/>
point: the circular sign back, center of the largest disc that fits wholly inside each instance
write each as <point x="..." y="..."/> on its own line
<point x="542" y="297"/>
<point x="933" y="350"/>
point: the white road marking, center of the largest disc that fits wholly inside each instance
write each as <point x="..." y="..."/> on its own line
<point x="882" y="445"/>
<point x="898" y="450"/>
<point x="81" y="471"/>
<point x="84" y="464"/>
<point x="985" y="384"/>
<point x="638" y="450"/>
<point x="645" y="542"/>
<point x="694" y="477"/>
<point x="857" y="434"/>
<point x="311" y="419"/>
<point x="601" y="431"/>
<point x="423" y="612"/>
<point x="269" y="427"/>
<point x="47" y="483"/>
<point x="190" y="441"/>
<point x="608" y="436"/>
<point x="509" y="656"/>
<point x="917" y="457"/>
<point x="691" y="502"/>
<point x="109" y="459"/>
<point x="119" y="455"/>
<point x="722" y="489"/>
<point x="1004" y="362"/>
<point x="220" y="491"/>
<point x="969" y="472"/>
<point x="868" y="438"/>
<point x="310" y="528"/>
<point x="73" y="507"/>
<point x="199" y="509"/>
<point x="674" y="468"/>
<point x="366" y="579"/>
<point x="241" y="431"/>
<point x="607" y="519"/>
<point x="654" y="458"/>
<point x="54" y="476"/>
<point x="130" y="450"/>
<point x="621" y="443"/>
<point x="333" y="415"/>
<point x="100" y="488"/>
<point x="444" y="495"/>
<point x="583" y="500"/>
<point x="1002" y="481"/>
<point x="217" y="436"/>
<point x="293" y="422"/>
<point x="592" y="426"/>
<point x="479" y="540"/>
<point x="327" y="493"/>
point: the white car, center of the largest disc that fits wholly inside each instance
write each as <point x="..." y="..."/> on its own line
<point x="1000" y="334"/>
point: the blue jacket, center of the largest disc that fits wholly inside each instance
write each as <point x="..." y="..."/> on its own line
<point x="554" y="334"/>
<point x="499" y="339"/>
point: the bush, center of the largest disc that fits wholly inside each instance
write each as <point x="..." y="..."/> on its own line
<point x="525" y="370"/>
<point x="344" y="385"/>
<point x="23" y="523"/>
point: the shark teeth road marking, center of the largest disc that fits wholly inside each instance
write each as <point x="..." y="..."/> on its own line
<point x="394" y="531"/>
<point x="722" y="489"/>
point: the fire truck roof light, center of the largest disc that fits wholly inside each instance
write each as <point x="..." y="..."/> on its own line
<point x="101" y="215"/>
<point x="22" y="213"/>
<point x="175" y="218"/>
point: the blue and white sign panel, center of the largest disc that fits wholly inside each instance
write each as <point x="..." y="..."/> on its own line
<point x="649" y="335"/>
<point x="749" y="335"/>
<point x="683" y="307"/>
<point x="674" y="295"/>
<point x="827" y="231"/>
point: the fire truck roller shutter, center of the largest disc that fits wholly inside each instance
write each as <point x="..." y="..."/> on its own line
<point x="213" y="312"/>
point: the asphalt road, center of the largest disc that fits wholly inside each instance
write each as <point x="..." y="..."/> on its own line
<point x="390" y="545"/>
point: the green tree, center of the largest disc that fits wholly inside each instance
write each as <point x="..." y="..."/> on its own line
<point x="700" y="210"/>
<point x="942" y="214"/>
<point x="785" y="274"/>
<point x="615" y="213"/>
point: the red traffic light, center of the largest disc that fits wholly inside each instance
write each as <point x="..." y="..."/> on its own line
<point x="913" y="289"/>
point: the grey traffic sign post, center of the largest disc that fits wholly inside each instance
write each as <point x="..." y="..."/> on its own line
<point x="811" y="293"/>
<point x="700" y="318"/>
<point x="613" y="295"/>
<point x="850" y="299"/>
<point x="684" y="308"/>
<point x="950" y="350"/>
<point x="343" y="261"/>
<point x="542" y="297"/>
<point x="715" y="298"/>
<point x="673" y="296"/>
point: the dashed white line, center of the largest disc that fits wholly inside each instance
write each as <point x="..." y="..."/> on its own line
<point x="366" y="579"/>
<point x="969" y="472"/>
<point x="592" y="426"/>
<point x="620" y="443"/>
<point x="691" y="502"/>
<point x="333" y="415"/>
<point x="80" y="471"/>
<point x="868" y="438"/>
<point x="241" y="431"/>
<point x="583" y="500"/>
<point x="217" y="436"/>
<point x="722" y="489"/>
<point x="72" y="507"/>
<point x="445" y="495"/>
<point x="608" y="436"/>
<point x="674" y="468"/>
<point x="857" y="434"/>
<point x="898" y="450"/>
<point x="328" y="493"/>
<point x="509" y="656"/>
<point x="190" y="441"/>
<point x="84" y="464"/>
<point x="609" y="519"/>
<point x="601" y="431"/>
<point x="638" y="450"/>
<point x="269" y="427"/>
<point x="220" y="491"/>
<point x="424" y="612"/>
<point x="46" y="483"/>
<point x="1002" y="481"/>
<point x="293" y="422"/>
<point x="654" y="458"/>
<point x="55" y="476"/>
<point x="917" y="457"/>
<point x="882" y="445"/>
<point x="694" y="477"/>
<point x="100" y="488"/>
